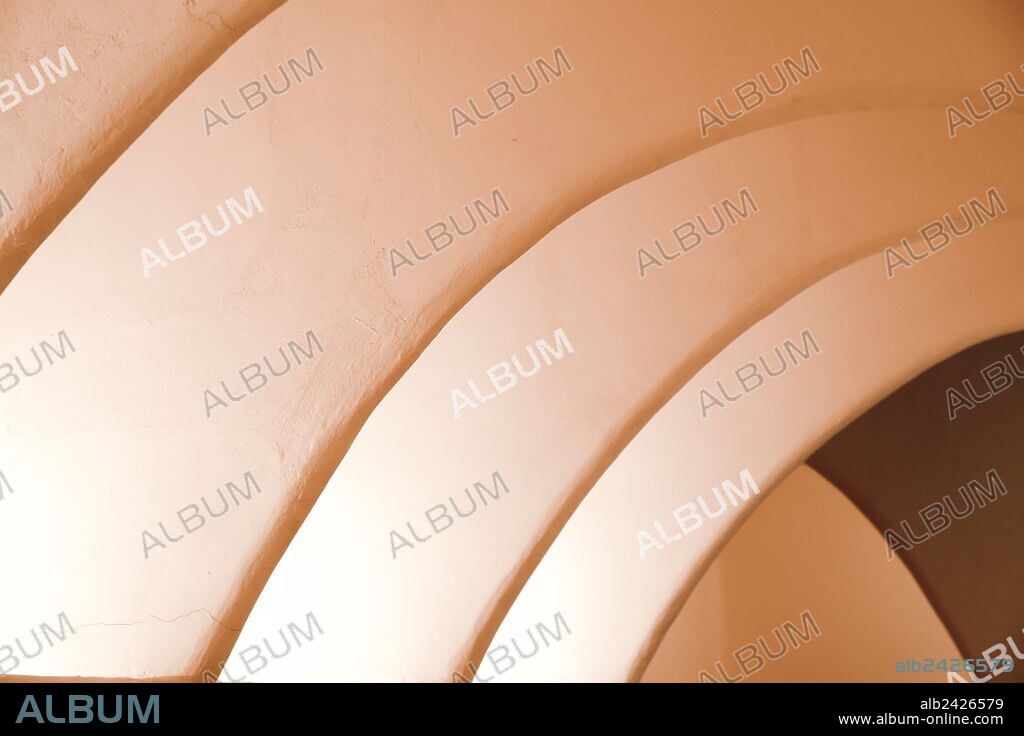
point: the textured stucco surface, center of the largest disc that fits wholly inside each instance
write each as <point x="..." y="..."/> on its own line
<point x="131" y="64"/>
<point x="348" y="165"/>
<point x="679" y="456"/>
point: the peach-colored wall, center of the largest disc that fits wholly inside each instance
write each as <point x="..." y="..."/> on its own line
<point x="107" y="443"/>
<point x="807" y="548"/>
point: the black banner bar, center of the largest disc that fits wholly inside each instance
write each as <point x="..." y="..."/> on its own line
<point x="177" y="708"/>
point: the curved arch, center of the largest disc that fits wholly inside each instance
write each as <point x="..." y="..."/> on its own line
<point x="893" y="476"/>
<point x="112" y="70"/>
<point x="296" y="436"/>
<point x="677" y="443"/>
<point x="395" y="473"/>
<point x="803" y="592"/>
<point x="962" y="557"/>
